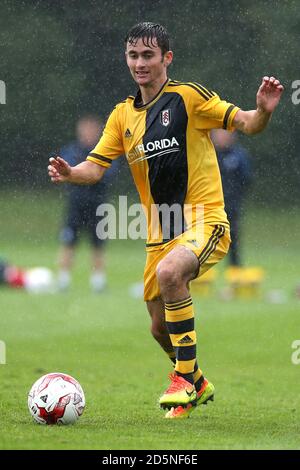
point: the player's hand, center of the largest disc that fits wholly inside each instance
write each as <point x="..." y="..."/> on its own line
<point x="269" y="94"/>
<point x="59" y="170"/>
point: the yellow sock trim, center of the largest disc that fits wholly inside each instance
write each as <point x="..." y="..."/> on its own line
<point x="185" y="367"/>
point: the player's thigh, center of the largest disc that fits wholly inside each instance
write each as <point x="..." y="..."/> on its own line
<point x="151" y="287"/>
<point x="96" y="231"/>
<point x="172" y="258"/>
<point x="69" y="234"/>
<point x="180" y="264"/>
<point x="216" y="245"/>
<point x="74" y="213"/>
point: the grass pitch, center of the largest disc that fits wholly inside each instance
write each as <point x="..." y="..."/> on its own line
<point x="244" y="347"/>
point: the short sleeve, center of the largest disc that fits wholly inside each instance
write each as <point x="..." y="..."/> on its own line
<point x="214" y="113"/>
<point x="110" y="145"/>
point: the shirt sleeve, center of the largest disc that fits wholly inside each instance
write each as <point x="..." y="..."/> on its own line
<point x="110" y="145"/>
<point x="214" y="113"/>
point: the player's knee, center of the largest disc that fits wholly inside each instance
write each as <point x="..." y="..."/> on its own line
<point x="68" y="236"/>
<point x="167" y="275"/>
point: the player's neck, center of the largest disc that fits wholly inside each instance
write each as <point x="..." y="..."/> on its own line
<point x="149" y="92"/>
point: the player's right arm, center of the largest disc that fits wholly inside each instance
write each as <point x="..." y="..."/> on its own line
<point x="86" y="172"/>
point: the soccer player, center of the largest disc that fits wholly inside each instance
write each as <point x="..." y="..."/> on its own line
<point x="11" y="275"/>
<point x="164" y="133"/>
<point x="235" y="169"/>
<point x="82" y="203"/>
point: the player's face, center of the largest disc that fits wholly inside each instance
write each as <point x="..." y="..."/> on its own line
<point x="222" y="139"/>
<point x="147" y="65"/>
<point x="88" y="132"/>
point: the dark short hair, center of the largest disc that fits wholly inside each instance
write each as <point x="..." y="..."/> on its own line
<point x="148" y="32"/>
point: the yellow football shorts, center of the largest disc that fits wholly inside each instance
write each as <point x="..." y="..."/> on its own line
<point x="210" y="245"/>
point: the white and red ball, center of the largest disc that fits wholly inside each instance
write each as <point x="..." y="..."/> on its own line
<point x="56" y="398"/>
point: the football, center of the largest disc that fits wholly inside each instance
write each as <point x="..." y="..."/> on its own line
<point x="56" y="398"/>
<point x="39" y="281"/>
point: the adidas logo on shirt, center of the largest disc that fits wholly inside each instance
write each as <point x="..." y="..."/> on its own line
<point x="128" y="133"/>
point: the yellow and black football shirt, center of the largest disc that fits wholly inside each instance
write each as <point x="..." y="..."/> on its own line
<point x="168" y="148"/>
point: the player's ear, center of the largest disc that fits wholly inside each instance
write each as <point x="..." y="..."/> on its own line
<point x="168" y="58"/>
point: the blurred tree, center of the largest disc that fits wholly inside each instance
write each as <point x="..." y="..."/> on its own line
<point x="42" y="89"/>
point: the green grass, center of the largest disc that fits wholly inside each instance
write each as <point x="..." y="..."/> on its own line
<point x="244" y="347"/>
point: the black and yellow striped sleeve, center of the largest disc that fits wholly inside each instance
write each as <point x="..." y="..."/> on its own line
<point x="200" y="90"/>
<point x="228" y="117"/>
<point x="210" y="112"/>
<point x="99" y="159"/>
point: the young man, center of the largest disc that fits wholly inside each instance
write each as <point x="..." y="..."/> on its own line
<point x="235" y="169"/>
<point x="164" y="133"/>
<point x="82" y="202"/>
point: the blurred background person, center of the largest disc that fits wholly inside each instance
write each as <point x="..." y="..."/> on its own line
<point x="235" y="168"/>
<point x="11" y="275"/>
<point x="82" y="203"/>
<point x="35" y="280"/>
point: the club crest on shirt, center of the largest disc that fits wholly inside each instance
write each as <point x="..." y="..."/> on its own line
<point x="165" y="117"/>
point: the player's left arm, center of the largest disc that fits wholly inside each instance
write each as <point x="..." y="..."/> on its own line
<point x="267" y="98"/>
